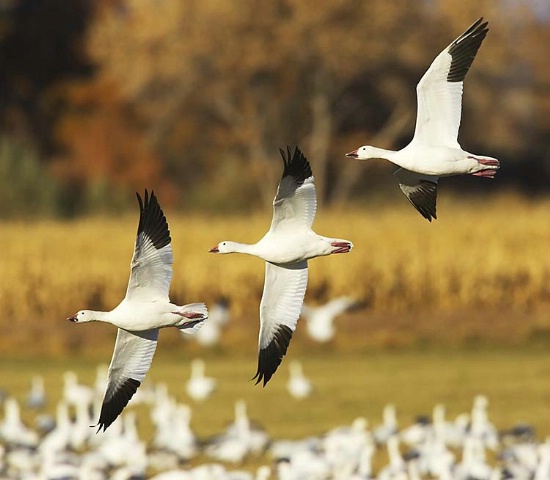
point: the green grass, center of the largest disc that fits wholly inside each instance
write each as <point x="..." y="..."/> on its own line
<point x="346" y="386"/>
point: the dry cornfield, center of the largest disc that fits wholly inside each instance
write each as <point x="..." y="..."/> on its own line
<point x="482" y="255"/>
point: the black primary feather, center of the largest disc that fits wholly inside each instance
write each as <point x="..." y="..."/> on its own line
<point x="152" y="221"/>
<point x="424" y="199"/>
<point x="296" y="165"/>
<point x="463" y="50"/>
<point x="113" y="406"/>
<point x="270" y="357"/>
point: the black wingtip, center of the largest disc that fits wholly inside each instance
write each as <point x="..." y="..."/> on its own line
<point x="152" y="220"/>
<point x="425" y="200"/>
<point x="270" y="357"/>
<point x="296" y="164"/>
<point x="464" y="49"/>
<point x="112" y="407"/>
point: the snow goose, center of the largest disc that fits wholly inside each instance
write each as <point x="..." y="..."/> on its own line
<point x="298" y="384"/>
<point x="434" y="150"/>
<point x="12" y="429"/>
<point x="36" y="397"/>
<point x="286" y="248"/>
<point x="199" y="387"/>
<point x="480" y="426"/>
<point x="389" y="426"/>
<point x="75" y="393"/>
<point x="320" y="319"/>
<point x="240" y="438"/>
<point x="144" y="310"/>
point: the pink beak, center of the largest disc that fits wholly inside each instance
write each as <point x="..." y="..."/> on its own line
<point x="352" y="154"/>
<point x="72" y="319"/>
<point x="214" y="250"/>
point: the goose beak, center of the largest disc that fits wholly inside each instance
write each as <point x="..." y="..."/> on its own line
<point x="214" y="250"/>
<point x="72" y="319"/>
<point x="352" y="154"/>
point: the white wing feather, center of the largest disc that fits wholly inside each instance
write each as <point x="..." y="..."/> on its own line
<point x="151" y="270"/>
<point x="132" y="357"/>
<point x="439" y="105"/>
<point x="294" y="206"/>
<point x="282" y="299"/>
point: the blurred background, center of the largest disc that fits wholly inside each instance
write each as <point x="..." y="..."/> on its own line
<point x="194" y="98"/>
<point x="102" y="98"/>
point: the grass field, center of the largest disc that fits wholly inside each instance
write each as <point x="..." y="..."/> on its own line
<point x="452" y="309"/>
<point x="346" y="386"/>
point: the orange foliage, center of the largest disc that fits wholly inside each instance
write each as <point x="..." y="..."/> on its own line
<point x="102" y="141"/>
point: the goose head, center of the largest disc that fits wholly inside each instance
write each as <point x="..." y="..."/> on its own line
<point x="82" y="316"/>
<point x="224" y="247"/>
<point x="365" y="152"/>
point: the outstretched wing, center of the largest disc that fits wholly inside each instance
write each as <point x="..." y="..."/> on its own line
<point x="421" y="190"/>
<point x="282" y="299"/>
<point x="151" y="267"/>
<point x="439" y="92"/>
<point x="295" y="204"/>
<point x="130" y="363"/>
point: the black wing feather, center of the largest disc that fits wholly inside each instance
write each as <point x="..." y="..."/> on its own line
<point x="296" y="165"/>
<point x="463" y="50"/>
<point x="424" y="199"/>
<point x="270" y="357"/>
<point x="113" y="406"/>
<point x="152" y="221"/>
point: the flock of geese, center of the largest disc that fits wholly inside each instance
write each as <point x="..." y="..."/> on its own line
<point x="290" y="241"/>
<point x="286" y="249"/>
<point x="467" y="447"/>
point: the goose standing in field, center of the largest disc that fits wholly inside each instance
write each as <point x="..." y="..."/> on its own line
<point x="298" y="384"/>
<point x="12" y="429"/>
<point x="36" y="397"/>
<point x="144" y="310"/>
<point x="389" y="426"/>
<point x="74" y="392"/>
<point x="434" y="150"/>
<point x="286" y="248"/>
<point x="199" y="387"/>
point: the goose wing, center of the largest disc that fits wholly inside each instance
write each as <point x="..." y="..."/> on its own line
<point x="295" y="204"/>
<point x="130" y="363"/>
<point x="151" y="266"/>
<point x="421" y="191"/>
<point x="284" y="291"/>
<point x="439" y="92"/>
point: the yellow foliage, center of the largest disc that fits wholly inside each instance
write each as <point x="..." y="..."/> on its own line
<point x="479" y="256"/>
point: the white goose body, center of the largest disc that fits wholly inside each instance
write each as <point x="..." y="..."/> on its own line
<point x="138" y="316"/>
<point x="145" y="309"/>
<point x="434" y="150"/>
<point x="434" y="160"/>
<point x="286" y="248"/>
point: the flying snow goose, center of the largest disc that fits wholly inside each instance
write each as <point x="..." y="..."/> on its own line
<point x="320" y="319"/>
<point x="144" y="310"/>
<point x="286" y="248"/>
<point x="434" y="150"/>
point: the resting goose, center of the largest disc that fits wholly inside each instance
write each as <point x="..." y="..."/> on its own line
<point x="434" y="150"/>
<point x="144" y="310"/>
<point x="286" y="248"/>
